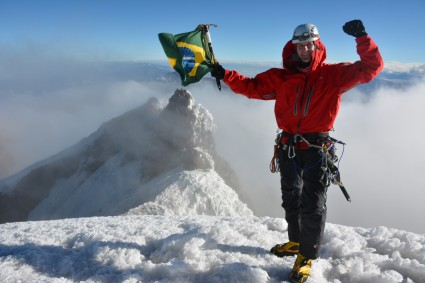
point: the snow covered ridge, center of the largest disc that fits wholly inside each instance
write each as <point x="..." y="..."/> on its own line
<point x="206" y="249"/>
<point x="197" y="192"/>
<point x="142" y="156"/>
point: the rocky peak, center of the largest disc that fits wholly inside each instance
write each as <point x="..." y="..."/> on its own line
<point x="148" y="141"/>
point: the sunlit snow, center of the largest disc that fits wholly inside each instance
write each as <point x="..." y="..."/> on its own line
<point x="198" y="249"/>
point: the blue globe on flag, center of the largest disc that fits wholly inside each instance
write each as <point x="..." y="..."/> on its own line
<point x="188" y="59"/>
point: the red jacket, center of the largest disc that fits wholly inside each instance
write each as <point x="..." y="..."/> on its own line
<point x="309" y="102"/>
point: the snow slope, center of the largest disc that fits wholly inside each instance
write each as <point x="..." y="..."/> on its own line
<point x="196" y="192"/>
<point x="204" y="249"/>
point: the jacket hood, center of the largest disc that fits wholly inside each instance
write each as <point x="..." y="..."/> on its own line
<point x="290" y="57"/>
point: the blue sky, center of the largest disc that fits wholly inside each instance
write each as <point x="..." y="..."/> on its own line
<point x="247" y="30"/>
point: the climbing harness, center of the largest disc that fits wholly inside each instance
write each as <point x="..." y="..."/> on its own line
<point x="325" y="145"/>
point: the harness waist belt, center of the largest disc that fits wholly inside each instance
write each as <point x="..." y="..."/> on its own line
<point x="310" y="137"/>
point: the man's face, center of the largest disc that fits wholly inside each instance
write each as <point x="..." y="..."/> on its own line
<point x="305" y="51"/>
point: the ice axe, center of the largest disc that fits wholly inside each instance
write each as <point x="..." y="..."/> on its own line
<point x="336" y="177"/>
<point x="210" y="49"/>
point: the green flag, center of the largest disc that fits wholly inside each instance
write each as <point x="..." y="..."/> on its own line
<point x="189" y="53"/>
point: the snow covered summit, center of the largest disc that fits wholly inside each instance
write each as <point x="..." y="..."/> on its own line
<point x="156" y="159"/>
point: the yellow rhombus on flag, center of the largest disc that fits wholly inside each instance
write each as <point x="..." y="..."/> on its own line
<point x="188" y="53"/>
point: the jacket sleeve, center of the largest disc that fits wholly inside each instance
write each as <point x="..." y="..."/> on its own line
<point x="260" y="87"/>
<point x="370" y="65"/>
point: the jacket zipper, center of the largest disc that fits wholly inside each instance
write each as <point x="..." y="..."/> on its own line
<point x="301" y="103"/>
<point x="307" y="104"/>
<point x="296" y="101"/>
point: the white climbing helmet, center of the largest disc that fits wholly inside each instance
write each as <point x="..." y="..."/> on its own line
<point x="305" y="33"/>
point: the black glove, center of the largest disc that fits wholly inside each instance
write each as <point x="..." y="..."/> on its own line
<point x="218" y="72"/>
<point x="354" y="28"/>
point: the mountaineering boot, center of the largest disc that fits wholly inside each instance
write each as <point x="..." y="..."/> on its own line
<point x="286" y="249"/>
<point x="301" y="270"/>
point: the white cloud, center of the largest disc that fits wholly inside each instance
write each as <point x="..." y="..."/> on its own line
<point x="396" y="67"/>
<point x="34" y="127"/>
<point x="382" y="167"/>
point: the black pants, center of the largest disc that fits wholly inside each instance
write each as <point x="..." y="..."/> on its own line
<point x="304" y="187"/>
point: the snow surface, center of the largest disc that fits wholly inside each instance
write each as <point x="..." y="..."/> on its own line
<point x="155" y="248"/>
<point x="196" y="192"/>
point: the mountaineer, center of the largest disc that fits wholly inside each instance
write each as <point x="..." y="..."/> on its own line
<point x="307" y="93"/>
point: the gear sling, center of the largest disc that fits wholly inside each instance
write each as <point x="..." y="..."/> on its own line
<point x="323" y="142"/>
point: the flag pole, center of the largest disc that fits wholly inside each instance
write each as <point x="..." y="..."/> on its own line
<point x="209" y="42"/>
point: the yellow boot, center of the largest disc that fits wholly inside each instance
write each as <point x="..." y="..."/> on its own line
<point x="301" y="270"/>
<point x="286" y="249"/>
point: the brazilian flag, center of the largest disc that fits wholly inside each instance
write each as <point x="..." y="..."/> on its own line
<point x="189" y="53"/>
